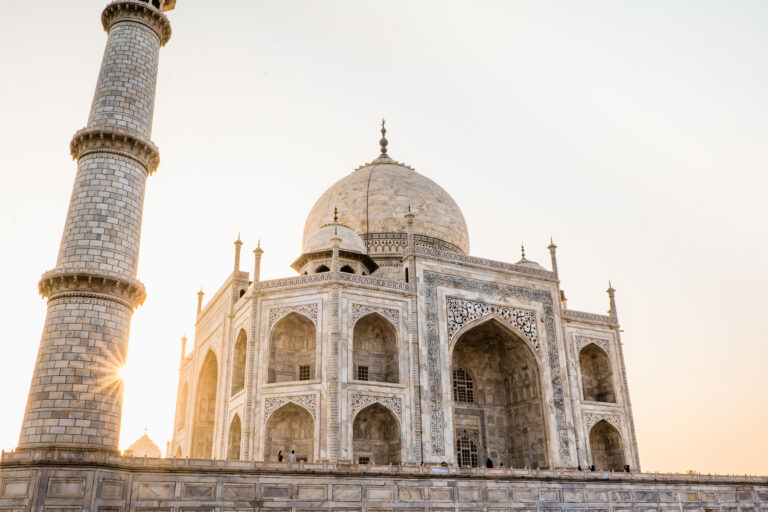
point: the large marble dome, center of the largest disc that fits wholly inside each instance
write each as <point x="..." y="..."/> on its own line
<point x="373" y="201"/>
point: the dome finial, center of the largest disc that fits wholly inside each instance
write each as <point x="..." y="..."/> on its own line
<point x="522" y="249"/>
<point x="335" y="215"/>
<point x="383" y="142"/>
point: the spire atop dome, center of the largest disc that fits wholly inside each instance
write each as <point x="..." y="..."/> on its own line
<point x="335" y="215"/>
<point x="383" y="143"/>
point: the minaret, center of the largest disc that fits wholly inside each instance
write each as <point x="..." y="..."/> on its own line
<point x="75" y="399"/>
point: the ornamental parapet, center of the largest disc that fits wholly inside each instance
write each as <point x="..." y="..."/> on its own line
<point x="581" y="316"/>
<point x="483" y="262"/>
<point x="110" y="140"/>
<point x="59" y="283"/>
<point x="327" y="277"/>
<point x="137" y="12"/>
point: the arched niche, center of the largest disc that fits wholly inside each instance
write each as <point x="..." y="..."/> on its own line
<point x="376" y="436"/>
<point x="606" y="447"/>
<point x="181" y="418"/>
<point x="205" y="409"/>
<point x="292" y="355"/>
<point x="374" y="351"/>
<point x="507" y="407"/>
<point x="347" y="269"/>
<point x="233" y="440"/>
<point x="596" y="375"/>
<point x="238" y="363"/>
<point x="321" y="269"/>
<point x="178" y="453"/>
<point x="290" y="428"/>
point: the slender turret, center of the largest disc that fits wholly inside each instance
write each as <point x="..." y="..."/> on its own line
<point x="75" y="399"/>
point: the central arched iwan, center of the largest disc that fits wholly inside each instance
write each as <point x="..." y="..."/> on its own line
<point x="292" y="354"/>
<point x="376" y="436"/>
<point x="205" y="409"/>
<point x="290" y="428"/>
<point x="506" y="403"/>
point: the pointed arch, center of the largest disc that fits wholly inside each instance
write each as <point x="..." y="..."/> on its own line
<point x="376" y="436"/>
<point x="491" y="317"/>
<point x="596" y="374"/>
<point x="233" y="440"/>
<point x="374" y="349"/>
<point x="292" y="349"/>
<point x="205" y="408"/>
<point x="290" y="427"/>
<point x="181" y="417"/>
<point x="507" y="392"/>
<point x="606" y="447"/>
<point x="178" y="452"/>
<point x="238" y="363"/>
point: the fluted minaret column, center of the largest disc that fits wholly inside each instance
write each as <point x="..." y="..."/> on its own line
<point x="75" y="399"/>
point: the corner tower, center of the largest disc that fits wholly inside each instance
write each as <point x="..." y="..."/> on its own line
<point x="75" y="399"/>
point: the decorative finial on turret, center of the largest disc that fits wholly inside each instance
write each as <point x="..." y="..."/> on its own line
<point x="610" y="287"/>
<point x="551" y="244"/>
<point x="522" y="250"/>
<point x="335" y="215"/>
<point x="383" y="142"/>
<point x="258" y="245"/>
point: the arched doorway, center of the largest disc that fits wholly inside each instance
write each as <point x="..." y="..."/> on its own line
<point x="375" y="350"/>
<point x="376" y="436"/>
<point x="596" y="374"/>
<point x="235" y="434"/>
<point x="606" y="447"/>
<point x="238" y="363"/>
<point x="292" y="349"/>
<point x="497" y="395"/>
<point x="205" y="409"/>
<point x="290" y="428"/>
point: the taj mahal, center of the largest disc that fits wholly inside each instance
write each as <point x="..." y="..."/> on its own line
<point x="393" y="344"/>
<point x="395" y="371"/>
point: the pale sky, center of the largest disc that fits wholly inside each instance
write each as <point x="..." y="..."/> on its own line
<point x="634" y="133"/>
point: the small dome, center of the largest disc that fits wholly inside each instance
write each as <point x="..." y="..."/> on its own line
<point x="321" y="239"/>
<point x="374" y="199"/>
<point x="144" y="447"/>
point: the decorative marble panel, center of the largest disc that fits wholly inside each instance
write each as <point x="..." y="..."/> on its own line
<point x="360" y="401"/>
<point x="433" y="281"/>
<point x="360" y="310"/>
<point x="308" y="402"/>
<point x="308" y="310"/>
<point x="462" y="312"/>
<point x="583" y="341"/>
<point x="590" y="420"/>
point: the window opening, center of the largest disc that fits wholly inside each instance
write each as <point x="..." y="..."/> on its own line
<point x="362" y="373"/>
<point x="463" y="386"/>
<point x="304" y="372"/>
<point x="347" y="269"/>
<point x="364" y="460"/>
<point x="466" y="452"/>
<point x="322" y="268"/>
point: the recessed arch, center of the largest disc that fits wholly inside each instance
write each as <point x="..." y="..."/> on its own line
<point x="205" y="408"/>
<point x="606" y="447"/>
<point x="233" y="440"/>
<point x="376" y="436"/>
<point x="292" y="349"/>
<point x="347" y="269"/>
<point x="238" y="363"/>
<point x="181" y="418"/>
<point x="290" y="427"/>
<point x="508" y="393"/>
<point x="493" y="317"/>
<point x="178" y="453"/>
<point x="374" y="349"/>
<point x="596" y="374"/>
<point x="322" y="268"/>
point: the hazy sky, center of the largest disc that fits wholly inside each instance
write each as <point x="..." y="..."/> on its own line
<point x="634" y="133"/>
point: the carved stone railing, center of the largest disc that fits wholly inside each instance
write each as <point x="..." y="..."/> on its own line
<point x="374" y="281"/>
<point x="51" y="457"/>
<point x="483" y="262"/>
<point x="92" y="283"/>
